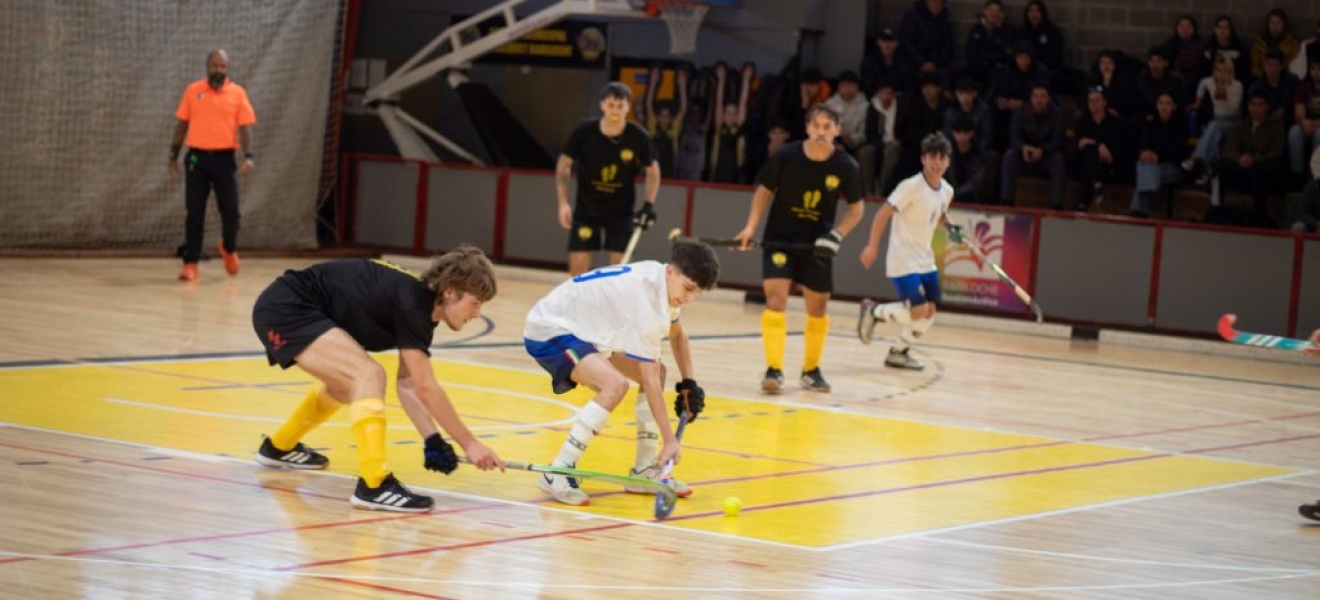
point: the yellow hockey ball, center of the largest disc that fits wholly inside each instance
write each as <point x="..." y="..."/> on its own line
<point x="732" y="506"/>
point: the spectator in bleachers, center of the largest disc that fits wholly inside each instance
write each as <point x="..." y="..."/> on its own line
<point x="1275" y="35"/>
<point x="1013" y="87"/>
<point x="988" y="44"/>
<point x="778" y="133"/>
<point x="729" y="142"/>
<point x="881" y="131"/>
<point x="969" y="166"/>
<point x="1223" y="91"/>
<point x="1107" y="74"/>
<point x="690" y="164"/>
<point x="665" y="125"/>
<point x="1046" y="38"/>
<point x="887" y="63"/>
<point x="850" y="104"/>
<point x="1161" y="149"/>
<point x="1224" y="41"/>
<point x="1298" y="65"/>
<point x="1278" y="85"/>
<point x="1036" y="142"/>
<point x="1306" y="113"/>
<point x="812" y="90"/>
<point x="1100" y="148"/>
<point x="1151" y="82"/>
<point x="1185" y="48"/>
<point x="969" y="104"/>
<point x="1252" y="159"/>
<point x="1308" y="215"/>
<point x="922" y="116"/>
<point x="926" y="36"/>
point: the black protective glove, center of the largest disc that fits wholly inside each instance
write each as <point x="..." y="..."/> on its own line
<point x="440" y="455"/>
<point x="828" y="245"/>
<point x="695" y="400"/>
<point x="955" y="233"/>
<point x="645" y="216"/>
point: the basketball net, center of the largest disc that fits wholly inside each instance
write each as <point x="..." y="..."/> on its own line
<point x="683" y="21"/>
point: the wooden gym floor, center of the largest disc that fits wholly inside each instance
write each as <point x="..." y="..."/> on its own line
<point x="1017" y="465"/>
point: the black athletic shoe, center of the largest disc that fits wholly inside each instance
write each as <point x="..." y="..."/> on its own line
<point x="391" y="496"/>
<point x="813" y="381"/>
<point x="1310" y="511"/>
<point x="774" y="380"/>
<point x="301" y="457"/>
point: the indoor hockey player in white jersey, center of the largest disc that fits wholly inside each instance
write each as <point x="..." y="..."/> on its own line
<point x="921" y="203"/>
<point x="605" y="327"/>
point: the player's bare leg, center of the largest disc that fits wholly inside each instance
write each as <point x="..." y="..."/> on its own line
<point x="578" y="263"/>
<point x="597" y="374"/>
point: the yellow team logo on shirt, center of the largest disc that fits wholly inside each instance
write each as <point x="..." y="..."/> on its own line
<point x="811" y="198"/>
<point x="584" y="233"/>
<point x="831" y="182"/>
<point x="779" y="259"/>
<point x="626" y="155"/>
<point x="608" y="173"/>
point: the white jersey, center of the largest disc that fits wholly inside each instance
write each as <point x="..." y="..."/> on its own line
<point x="619" y="308"/>
<point x="917" y="210"/>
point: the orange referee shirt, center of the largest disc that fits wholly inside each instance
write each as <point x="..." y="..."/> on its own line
<point x="214" y="117"/>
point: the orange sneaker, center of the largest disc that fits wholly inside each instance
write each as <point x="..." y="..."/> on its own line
<point x="189" y="272"/>
<point x="231" y="260"/>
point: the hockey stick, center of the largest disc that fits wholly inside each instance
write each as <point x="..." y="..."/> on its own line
<point x="664" y="504"/>
<point x="662" y="490"/>
<point x="1017" y="289"/>
<point x="632" y="244"/>
<point x="1227" y="332"/>
<point x="736" y="244"/>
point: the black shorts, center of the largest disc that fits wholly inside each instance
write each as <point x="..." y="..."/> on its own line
<point x="589" y="234"/>
<point x="802" y="266"/>
<point x="286" y="323"/>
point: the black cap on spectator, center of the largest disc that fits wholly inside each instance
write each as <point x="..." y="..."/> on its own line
<point x="848" y="76"/>
<point x="888" y="35"/>
<point x="779" y="123"/>
<point x="812" y="75"/>
<point x="1274" y="53"/>
<point x="884" y="82"/>
<point x="930" y="79"/>
<point x="966" y="84"/>
<point x="963" y="123"/>
<point x="1160" y="51"/>
<point x="1023" y="47"/>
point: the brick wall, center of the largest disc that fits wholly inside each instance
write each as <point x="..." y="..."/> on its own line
<point x="1130" y="25"/>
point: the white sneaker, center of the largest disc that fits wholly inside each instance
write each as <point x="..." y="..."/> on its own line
<point x="564" y="489"/>
<point x="653" y="473"/>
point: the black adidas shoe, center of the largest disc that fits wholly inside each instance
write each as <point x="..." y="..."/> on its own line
<point x="301" y="457"/>
<point x="391" y="496"/>
<point x="1310" y="511"/>
<point x="813" y="381"/>
<point x="773" y="381"/>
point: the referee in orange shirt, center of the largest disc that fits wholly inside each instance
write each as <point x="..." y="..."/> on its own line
<point x="216" y="118"/>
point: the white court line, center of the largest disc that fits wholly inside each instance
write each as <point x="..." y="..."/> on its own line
<point x="1131" y="561"/>
<point x="1064" y="511"/>
<point x="266" y="574"/>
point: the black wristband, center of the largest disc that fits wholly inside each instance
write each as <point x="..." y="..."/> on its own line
<point x="249" y="156"/>
<point x="174" y="151"/>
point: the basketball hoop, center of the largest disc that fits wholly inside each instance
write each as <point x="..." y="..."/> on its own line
<point x="683" y="20"/>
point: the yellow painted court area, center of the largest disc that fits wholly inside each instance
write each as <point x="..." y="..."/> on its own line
<point x="806" y="477"/>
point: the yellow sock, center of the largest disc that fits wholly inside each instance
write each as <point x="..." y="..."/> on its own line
<point x="817" y="330"/>
<point x="368" y="417"/>
<point x="774" y="334"/>
<point x="314" y="410"/>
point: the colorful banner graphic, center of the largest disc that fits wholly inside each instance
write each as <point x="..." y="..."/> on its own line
<point x="967" y="282"/>
<point x="579" y="44"/>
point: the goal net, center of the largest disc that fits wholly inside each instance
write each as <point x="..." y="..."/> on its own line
<point x="89" y="104"/>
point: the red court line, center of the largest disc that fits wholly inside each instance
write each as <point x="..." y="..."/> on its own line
<point x="386" y="588"/>
<point x="460" y="546"/>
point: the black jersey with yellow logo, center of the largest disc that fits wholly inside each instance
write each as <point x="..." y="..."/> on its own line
<point x="806" y="192"/>
<point x="606" y="168"/>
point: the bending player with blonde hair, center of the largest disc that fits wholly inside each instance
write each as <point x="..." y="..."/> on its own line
<point x="917" y="205"/>
<point x="325" y="319"/>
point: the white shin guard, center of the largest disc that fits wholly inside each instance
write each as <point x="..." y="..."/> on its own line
<point x="894" y="312"/>
<point x="921" y="326"/>
<point x="590" y="420"/>
<point x="648" y="435"/>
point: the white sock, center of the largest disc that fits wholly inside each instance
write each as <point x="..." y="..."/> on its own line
<point x="905" y="338"/>
<point x="648" y="435"/>
<point x="921" y="326"/>
<point x="893" y="312"/>
<point x="590" y="420"/>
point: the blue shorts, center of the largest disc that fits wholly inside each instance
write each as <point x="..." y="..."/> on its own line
<point x="910" y="288"/>
<point x="558" y="356"/>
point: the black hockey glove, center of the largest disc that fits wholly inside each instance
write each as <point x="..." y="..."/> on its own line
<point x="695" y="398"/>
<point x="440" y="455"/>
